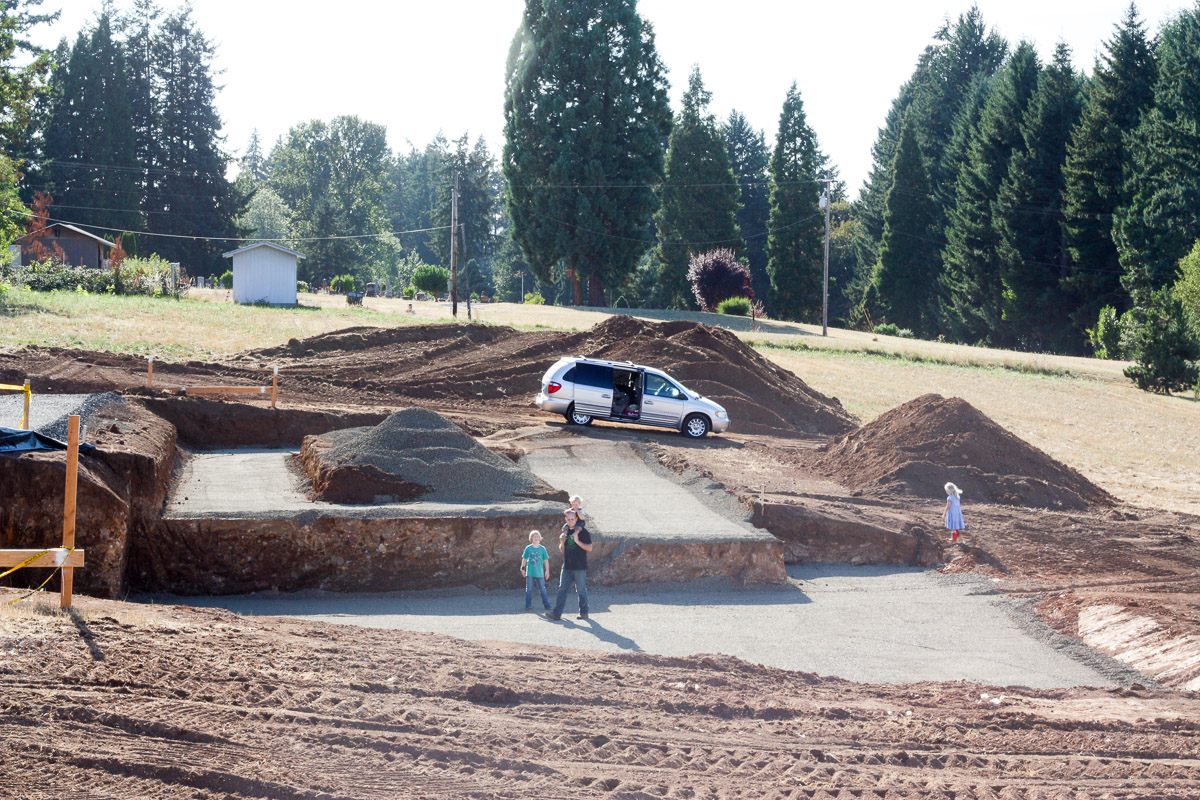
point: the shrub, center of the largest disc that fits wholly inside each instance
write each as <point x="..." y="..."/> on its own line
<point x="301" y="286"/>
<point x="1106" y="336"/>
<point x="132" y="276"/>
<point x="735" y="306"/>
<point x="431" y="279"/>
<point x="891" y="329"/>
<point x="408" y="292"/>
<point x="718" y="275"/>
<point x="342" y="283"/>
<point x="227" y="279"/>
<point x="534" y="299"/>
<point x="1160" y="341"/>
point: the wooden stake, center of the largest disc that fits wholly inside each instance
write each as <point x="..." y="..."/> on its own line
<point x="25" y="418"/>
<point x="274" y="386"/>
<point x="150" y="373"/>
<point x="68" y="573"/>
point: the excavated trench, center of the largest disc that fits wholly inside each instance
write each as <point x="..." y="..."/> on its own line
<point x="193" y="496"/>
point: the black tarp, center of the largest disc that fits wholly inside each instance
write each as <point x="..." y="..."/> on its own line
<point x="13" y="440"/>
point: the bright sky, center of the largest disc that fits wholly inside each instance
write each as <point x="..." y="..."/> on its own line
<point x="422" y="66"/>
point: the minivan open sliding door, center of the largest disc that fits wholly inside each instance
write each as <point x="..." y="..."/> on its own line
<point x="593" y="389"/>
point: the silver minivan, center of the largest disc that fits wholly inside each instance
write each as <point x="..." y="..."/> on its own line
<point x="584" y="389"/>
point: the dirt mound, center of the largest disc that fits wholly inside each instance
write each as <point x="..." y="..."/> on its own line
<point x="414" y="453"/>
<point x="919" y="446"/>
<point x="760" y="396"/>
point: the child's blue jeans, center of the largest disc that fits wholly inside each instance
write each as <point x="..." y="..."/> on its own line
<point x="530" y="582"/>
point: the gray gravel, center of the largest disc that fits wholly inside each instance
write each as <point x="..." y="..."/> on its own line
<point x="422" y="447"/>
<point x="48" y="412"/>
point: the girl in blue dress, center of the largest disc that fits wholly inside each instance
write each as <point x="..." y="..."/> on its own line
<point x="953" y="513"/>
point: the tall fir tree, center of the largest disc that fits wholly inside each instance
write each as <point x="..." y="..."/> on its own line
<point x="1120" y="92"/>
<point x="90" y="150"/>
<point x="795" y="246"/>
<point x="943" y="86"/>
<point x="905" y="277"/>
<point x="1161" y="220"/>
<point x="749" y="157"/>
<point x="187" y="193"/>
<point x="1028" y="216"/>
<point x="253" y="162"/>
<point x="585" y="116"/>
<point x="700" y="198"/>
<point x="412" y="195"/>
<point x="970" y="284"/>
<point x="138" y="28"/>
<point x="479" y="202"/>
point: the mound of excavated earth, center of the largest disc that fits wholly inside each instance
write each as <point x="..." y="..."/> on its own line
<point x="502" y="367"/>
<point x="919" y="446"/>
<point x="414" y="453"/>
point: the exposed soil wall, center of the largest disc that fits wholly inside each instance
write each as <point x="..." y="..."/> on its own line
<point x="204" y="423"/>
<point x="809" y="535"/>
<point x="32" y="486"/>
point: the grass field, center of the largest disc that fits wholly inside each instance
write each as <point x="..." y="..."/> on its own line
<point x="1141" y="447"/>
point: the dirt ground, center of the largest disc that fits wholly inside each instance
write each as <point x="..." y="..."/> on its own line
<point x="159" y="702"/>
<point x="121" y="701"/>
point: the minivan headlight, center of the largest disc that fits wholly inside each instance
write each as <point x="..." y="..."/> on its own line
<point x="720" y="415"/>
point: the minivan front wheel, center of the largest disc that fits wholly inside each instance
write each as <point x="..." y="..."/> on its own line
<point x="576" y="418"/>
<point x="696" y="426"/>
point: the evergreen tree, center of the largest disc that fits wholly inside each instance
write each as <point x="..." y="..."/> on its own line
<point x="187" y="191"/>
<point x="333" y="177"/>
<point x="90" y="155"/>
<point x="138" y="29"/>
<point x="1119" y="93"/>
<point x="699" y="197"/>
<point x="585" y="113"/>
<point x="413" y="195"/>
<point x="905" y="277"/>
<point x="253" y="162"/>
<point x="1028" y="216"/>
<point x="944" y="86"/>
<point x="1161" y="219"/>
<point x="748" y="157"/>
<point x="795" y="247"/>
<point x="478" y="211"/>
<point x="970" y="284"/>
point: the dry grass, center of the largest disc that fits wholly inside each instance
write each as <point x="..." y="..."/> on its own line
<point x="1140" y="447"/>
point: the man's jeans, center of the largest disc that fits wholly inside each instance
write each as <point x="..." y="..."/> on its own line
<point x="568" y="577"/>
<point x="530" y="582"/>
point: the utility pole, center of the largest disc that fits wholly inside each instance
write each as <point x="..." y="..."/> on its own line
<point x="826" y="204"/>
<point x="462" y="232"/>
<point x="454" y="249"/>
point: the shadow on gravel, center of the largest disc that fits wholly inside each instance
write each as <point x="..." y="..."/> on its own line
<point x="632" y="432"/>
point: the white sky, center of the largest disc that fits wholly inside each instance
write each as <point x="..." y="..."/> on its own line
<point x="420" y="66"/>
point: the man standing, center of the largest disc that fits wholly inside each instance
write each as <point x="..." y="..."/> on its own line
<point x="575" y="543"/>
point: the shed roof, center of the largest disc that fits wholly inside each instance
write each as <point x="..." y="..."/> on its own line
<point x="80" y="231"/>
<point x="272" y="245"/>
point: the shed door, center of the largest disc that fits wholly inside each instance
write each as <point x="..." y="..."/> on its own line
<point x="593" y="389"/>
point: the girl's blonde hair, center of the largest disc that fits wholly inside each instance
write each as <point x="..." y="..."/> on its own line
<point x="534" y="533"/>
<point x="952" y="489"/>
<point x="576" y="499"/>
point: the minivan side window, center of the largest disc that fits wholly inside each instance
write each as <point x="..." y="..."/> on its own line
<point x="594" y="375"/>
<point x="661" y="387"/>
<point x="569" y="375"/>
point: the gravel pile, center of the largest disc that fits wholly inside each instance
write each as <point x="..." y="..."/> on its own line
<point x="48" y="412"/>
<point x="419" y="446"/>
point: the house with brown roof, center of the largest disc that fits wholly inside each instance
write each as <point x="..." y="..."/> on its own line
<point x="79" y="248"/>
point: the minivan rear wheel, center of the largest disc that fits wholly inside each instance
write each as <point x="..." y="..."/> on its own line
<point x="576" y="418"/>
<point x="696" y="426"/>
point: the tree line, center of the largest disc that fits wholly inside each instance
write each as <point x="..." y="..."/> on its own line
<point x="1011" y="202"/>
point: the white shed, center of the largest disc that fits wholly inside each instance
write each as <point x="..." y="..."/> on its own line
<point x="264" y="272"/>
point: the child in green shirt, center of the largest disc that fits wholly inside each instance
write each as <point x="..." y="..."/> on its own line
<point x="535" y="566"/>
